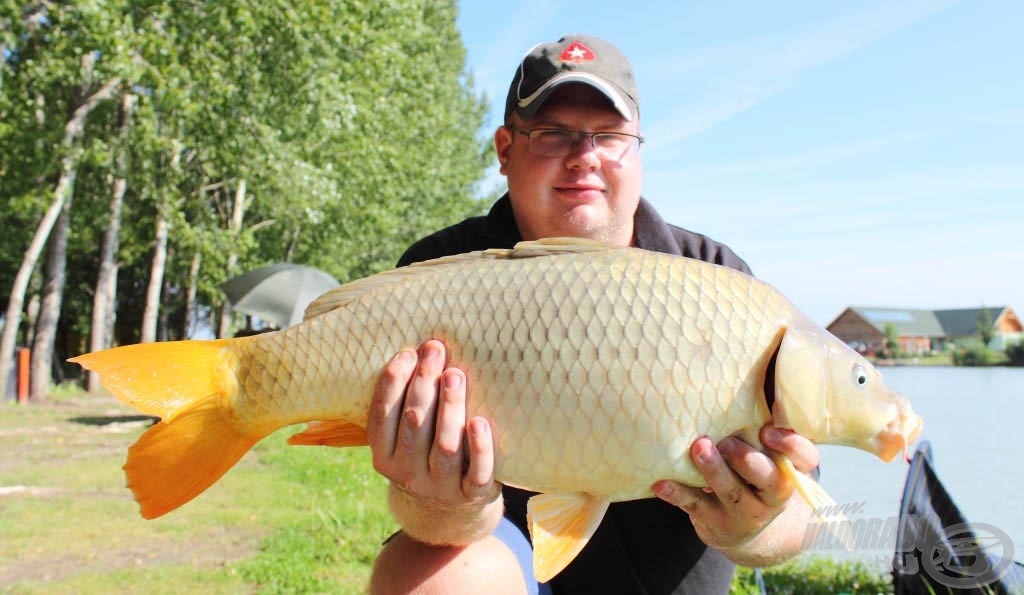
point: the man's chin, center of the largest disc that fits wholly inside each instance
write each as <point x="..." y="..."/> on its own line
<point x="588" y="222"/>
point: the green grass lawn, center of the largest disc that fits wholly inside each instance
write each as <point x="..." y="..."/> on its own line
<point x="284" y="520"/>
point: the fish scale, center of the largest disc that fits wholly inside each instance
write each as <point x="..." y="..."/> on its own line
<point x="596" y="366"/>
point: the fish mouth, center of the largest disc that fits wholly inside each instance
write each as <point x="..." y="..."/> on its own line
<point x="897" y="435"/>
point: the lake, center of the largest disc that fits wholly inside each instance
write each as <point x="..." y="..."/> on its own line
<point x="972" y="417"/>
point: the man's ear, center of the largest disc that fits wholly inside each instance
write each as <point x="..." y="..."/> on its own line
<point x="502" y="142"/>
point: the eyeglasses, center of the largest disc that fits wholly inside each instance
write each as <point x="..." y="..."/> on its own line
<point x="557" y="142"/>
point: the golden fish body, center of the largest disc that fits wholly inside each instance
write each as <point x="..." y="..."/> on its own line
<point x="597" y="367"/>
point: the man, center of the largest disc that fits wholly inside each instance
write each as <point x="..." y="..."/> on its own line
<point x="569" y="150"/>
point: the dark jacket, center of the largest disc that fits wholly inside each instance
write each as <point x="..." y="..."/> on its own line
<point x="642" y="546"/>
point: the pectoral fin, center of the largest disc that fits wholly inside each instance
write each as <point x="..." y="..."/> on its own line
<point x="560" y="525"/>
<point x="331" y="433"/>
<point x="824" y="508"/>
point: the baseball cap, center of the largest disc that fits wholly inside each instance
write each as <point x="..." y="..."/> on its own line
<point x="573" y="59"/>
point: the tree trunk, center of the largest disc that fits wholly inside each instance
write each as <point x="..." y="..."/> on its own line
<point x="163" y="331"/>
<point x="156" y="280"/>
<point x="106" y="282"/>
<point x="237" y="216"/>
<point x="72" y="130"/>
<point x="293" y="244"/>
<point x="49" y="309"/>
<point x="158" y="268"/>
<point x="31" y="318"/>
<point x="191" y="313"/>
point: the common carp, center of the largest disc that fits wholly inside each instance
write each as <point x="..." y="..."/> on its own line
<point x="597" y="367"/>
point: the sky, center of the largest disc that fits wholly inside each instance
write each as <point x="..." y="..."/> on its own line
<point x="854" y="153"/>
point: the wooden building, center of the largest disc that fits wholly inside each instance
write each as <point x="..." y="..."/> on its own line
<point x="922" y="331"/>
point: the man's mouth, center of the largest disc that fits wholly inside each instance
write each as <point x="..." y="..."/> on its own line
<point x="580" y="190"/>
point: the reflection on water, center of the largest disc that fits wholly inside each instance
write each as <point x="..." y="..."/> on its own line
<point x="973" y="421"/>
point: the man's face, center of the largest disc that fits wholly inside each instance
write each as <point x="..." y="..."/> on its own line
<point x="581" y="194"/>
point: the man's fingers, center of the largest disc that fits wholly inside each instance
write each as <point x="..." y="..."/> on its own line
<point x="386" y="406"/>
<point x="728" y="487"/>
<point x="416" y="428"/>
<point x="478" y="481"/>
<point x="678" y="495"/>
<point x="446" y="456"/>
<point x="756" y="469"/>
<point x="801" y="451"/>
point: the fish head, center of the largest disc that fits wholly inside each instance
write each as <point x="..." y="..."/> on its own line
<point x="828" y="393"/>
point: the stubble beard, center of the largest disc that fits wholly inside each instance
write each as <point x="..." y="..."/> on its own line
<point x="604" y="231"/>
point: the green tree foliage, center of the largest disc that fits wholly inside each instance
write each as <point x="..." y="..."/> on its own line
<point x="352" y="125"/>
<point x="892" y="340"/>
<point x="1015" y="353"/>
<point x="986" y="328"/>
<point x="973" y="353"/>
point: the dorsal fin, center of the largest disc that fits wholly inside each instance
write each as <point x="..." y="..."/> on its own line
<point x="551" y="246"/>
<point x="339" y="296"/>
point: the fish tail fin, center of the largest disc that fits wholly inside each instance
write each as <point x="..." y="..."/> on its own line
<point x="190" y="385"/>
<point x="174" y="462"/>
<point x="824" y="509"/>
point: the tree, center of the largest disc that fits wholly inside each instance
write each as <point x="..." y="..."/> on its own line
<point x="102" y="326"/>
<point x="1015" y="353"/>
<point x="986" y="328"/>
<point x="892" y="340"/>
<point x="333" y="135"/>
<point x="61" y="195"/>
<point x="67" y="61"/>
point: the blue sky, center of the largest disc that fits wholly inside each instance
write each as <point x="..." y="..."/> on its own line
<point x="864" y="153"/>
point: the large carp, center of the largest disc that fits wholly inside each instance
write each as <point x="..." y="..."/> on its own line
<point x="597" y="367"/>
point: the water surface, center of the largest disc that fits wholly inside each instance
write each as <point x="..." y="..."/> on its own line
<point x="973" y="419"/>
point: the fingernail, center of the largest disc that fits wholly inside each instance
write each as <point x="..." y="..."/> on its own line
<point x="477" y="427"/>
<point x="406" y="358"/>
<point x="453" y="380"/>
<point x="430" y="351"/>
<point x="727" y="446"/>
<point x="705" y="452"/>
<point x="664" y="489"/>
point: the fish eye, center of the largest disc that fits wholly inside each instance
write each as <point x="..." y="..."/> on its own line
<point x="860" y="375"/>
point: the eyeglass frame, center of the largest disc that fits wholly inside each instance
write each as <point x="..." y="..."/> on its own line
<point x="579" y="135"/>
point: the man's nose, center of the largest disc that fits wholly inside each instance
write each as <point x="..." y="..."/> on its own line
<point x="584" y="152"/>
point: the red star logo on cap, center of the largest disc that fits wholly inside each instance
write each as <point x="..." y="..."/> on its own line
<point x="576" y="52"/>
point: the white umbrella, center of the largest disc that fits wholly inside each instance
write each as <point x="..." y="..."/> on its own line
<point x="279" y="293"/>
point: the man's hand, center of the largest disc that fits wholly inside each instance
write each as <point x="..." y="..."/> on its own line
<point x="441" y="466"/>
<point x="741" y="510"/>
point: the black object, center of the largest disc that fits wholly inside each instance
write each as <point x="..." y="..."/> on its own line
<point x="938" y="551"/>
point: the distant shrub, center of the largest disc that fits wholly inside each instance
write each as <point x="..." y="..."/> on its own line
<point x="1015" y="352"/>
<point x="973" y="354"/>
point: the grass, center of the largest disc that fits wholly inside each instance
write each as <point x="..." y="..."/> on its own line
<point x="284" y="520"/>
<point x="814" y="575"/>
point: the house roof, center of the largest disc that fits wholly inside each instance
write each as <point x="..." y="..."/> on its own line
<point x="927" y="323"/>
<point x="965" y="321"/>
<point x="907" y="321"/>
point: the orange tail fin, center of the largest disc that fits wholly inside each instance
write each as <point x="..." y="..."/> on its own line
<point x="189" y="384"/>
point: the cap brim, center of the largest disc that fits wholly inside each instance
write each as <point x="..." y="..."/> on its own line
<point x="528" y="106"/>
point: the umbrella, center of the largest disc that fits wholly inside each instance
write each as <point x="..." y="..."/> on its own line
<point x="279" y="293"/>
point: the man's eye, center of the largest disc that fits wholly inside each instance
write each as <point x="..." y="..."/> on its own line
<point x="552" y="136"/>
